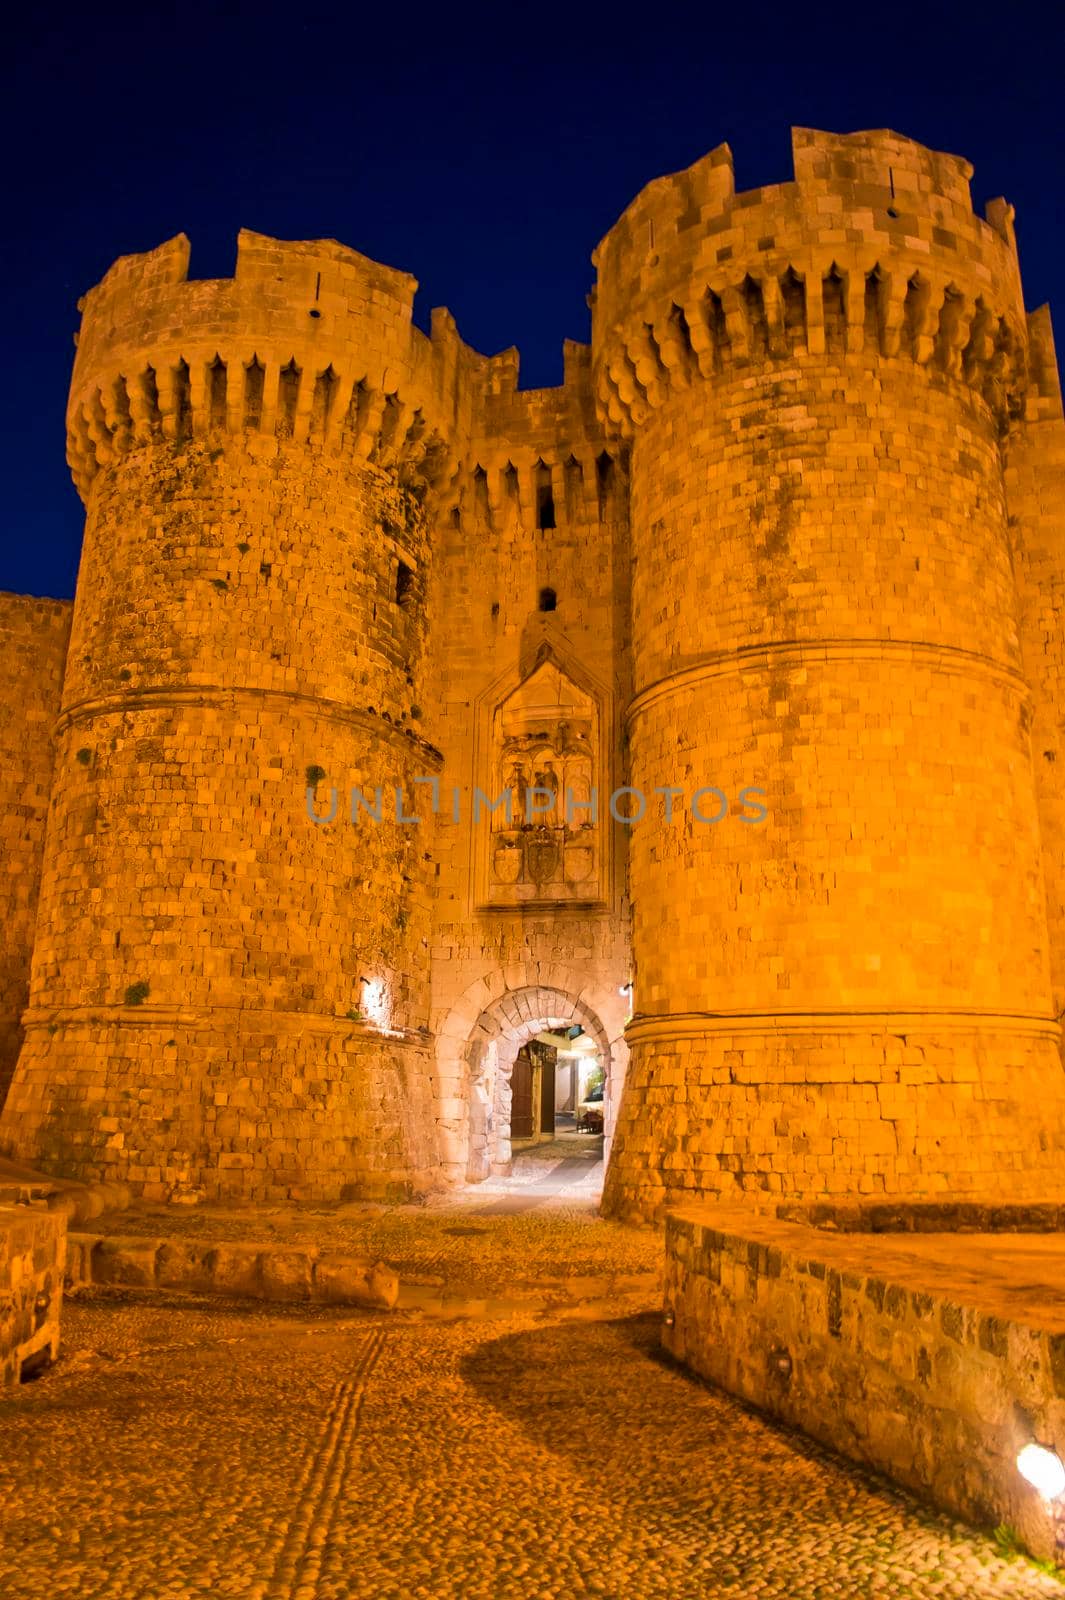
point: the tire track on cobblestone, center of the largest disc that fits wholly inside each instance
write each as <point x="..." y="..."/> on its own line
<point x="291" y="1567"/>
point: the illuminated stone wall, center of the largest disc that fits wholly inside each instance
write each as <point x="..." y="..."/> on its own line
<point x="1035" y="490"/>
<point x="33" y="647"/>
<point x="225" y="995"/>
<point x="786" y="533"/>
<point x="817" y="378"/>
<point x="930" y="1357"/>
<point x="531" y="669"/>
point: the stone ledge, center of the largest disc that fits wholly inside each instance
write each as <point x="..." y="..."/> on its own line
<point x="260" y="1272"/>
<point x="933" y="1357"/>
<point x="927" y="1216"/>
<point x="76" y="1201"/>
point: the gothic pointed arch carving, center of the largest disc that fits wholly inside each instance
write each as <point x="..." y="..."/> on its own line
<point x="543" y="758"/>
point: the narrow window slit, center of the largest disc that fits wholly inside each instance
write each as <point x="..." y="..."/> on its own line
<point x="254" y="388"/>
<point x="404" y="585"/>
<point x="604" y="477"/>
<point x="288" y="398"/>
<point x="325" y="386"/>
<point x="216" y="393"/>
<point x="182" y="401"/>
<point x="793" y="300"/>
<point x="834" y="310"/>
<point x="545" y="498"/>
<point x="716" y="322"/>
<point x="388" y="440"/>
<point x="573" y="478"/>
<point x="915" y="310"/>
<point x="751" y="293"/>
<point x="874" y="309"/>
<point x="150" y="390"/>
<point x="123" y="411"/>
<point x="480" y="492"/>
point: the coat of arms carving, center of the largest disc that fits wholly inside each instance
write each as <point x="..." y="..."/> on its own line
<point x="544" y="760"/>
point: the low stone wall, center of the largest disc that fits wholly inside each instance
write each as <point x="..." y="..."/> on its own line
<point x="32" y="1252"/>
<point x="261" y="1272"/>
<point x="925" y="1216"/>
<point x="936" y="1371"/>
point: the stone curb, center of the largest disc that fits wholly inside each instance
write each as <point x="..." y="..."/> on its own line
<point x="310" y="1276"/>
<point x="78" y="1202"/>
<point x="84" y="1203"/>
<point x="260" y="1272"/>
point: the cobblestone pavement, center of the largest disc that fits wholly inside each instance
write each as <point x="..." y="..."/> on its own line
<point x="191" y="1448"/>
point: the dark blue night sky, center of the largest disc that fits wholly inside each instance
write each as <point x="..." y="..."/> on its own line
<point x="484" y="150"/>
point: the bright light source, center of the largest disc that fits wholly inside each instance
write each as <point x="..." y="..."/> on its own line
<point x="625" y="988"/>
<point x="375" y="1004"/>
<point x="1042" y="1468"/>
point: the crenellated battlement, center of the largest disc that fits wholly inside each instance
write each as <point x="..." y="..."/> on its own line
<point x="1044" y="391"/>
<point x="309" y="340"/>
<point x="879" y="159"/>
<point x="315" y="342"/>
<point x="539" y="457"/>
<point x="873" y="249"/>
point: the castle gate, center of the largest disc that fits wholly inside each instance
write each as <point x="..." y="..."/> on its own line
<point x="494" y="1045"/>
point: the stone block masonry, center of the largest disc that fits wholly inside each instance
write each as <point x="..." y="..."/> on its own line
<point x="33" y="648"/>
<point x="932" y="1355"/>
<point x="818" y="380"/>
<point x="788" y="522"/>
<point x="198" y="1016"/>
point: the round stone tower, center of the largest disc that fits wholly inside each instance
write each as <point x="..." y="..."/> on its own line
<point x="226" y="994"/>
<point x="851" y="995"/>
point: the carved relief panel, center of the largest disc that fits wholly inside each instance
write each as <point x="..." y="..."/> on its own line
<point x="543" y="769"/>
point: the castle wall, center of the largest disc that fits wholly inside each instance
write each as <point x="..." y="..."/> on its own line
<point x="493" y="564"/>
<point x="1035" y="489"/>
<point x="226" y="996"/>
<point x="854" y="996"/>
<point x="33" y="646"/>
<point x="789" y="526"/>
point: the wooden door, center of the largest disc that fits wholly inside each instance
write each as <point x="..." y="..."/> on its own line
<point x="521" y="1085"/>
<point x="547" y="1097"/>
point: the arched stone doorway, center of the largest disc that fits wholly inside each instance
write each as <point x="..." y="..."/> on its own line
<point x="498" y="1035"/>
<point x="502" y="996"/>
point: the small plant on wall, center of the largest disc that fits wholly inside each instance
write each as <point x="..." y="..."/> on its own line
<point x="137" y="993"/>
<point x="315" y="775"/>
